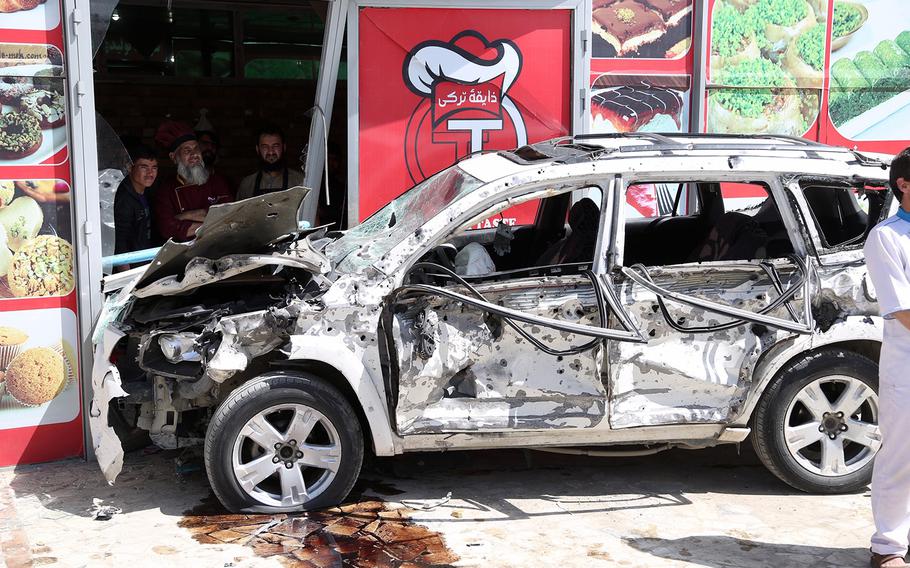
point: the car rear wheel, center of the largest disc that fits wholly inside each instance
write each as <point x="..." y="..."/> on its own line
<point x="283" y="442"/>
<point x="816" y="425"/>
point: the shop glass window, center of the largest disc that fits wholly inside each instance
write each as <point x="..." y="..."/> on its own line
<point x="152" y="40"/>
<point x="281" y="69"/>
<point x="653" y="200"/>
<point x="282" y="45"/>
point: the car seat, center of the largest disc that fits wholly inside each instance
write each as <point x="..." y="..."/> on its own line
<point x="735" y="236"/>
<point x="578" y="246"/>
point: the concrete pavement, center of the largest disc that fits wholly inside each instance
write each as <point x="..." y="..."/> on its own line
<point x="708" y="508"/>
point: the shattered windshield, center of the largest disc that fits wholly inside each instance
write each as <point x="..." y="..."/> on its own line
<point x="364" y="244"/>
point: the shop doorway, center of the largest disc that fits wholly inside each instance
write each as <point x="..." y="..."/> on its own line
<point x="225" y="67"/>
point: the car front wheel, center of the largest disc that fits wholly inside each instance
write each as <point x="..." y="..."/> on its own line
<point x="283" y="442"/>
<point x="816" y="425"/>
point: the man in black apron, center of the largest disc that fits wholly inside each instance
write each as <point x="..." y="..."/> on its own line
<point x="274" y="174"/>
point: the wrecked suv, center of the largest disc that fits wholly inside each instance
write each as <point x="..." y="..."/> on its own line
<point x="671" y="291"/>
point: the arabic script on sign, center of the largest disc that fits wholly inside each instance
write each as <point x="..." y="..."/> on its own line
<point x="468" y="101"/>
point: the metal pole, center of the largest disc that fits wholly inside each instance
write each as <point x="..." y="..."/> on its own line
<point x="84" y="165"/>
<point x="329" y="62"/>
<point x="700" y="49"/>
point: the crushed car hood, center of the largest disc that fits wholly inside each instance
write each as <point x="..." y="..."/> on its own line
<point x="243" y="227"/>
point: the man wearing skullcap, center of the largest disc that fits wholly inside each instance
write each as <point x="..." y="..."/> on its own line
<point x="181" y="203"/>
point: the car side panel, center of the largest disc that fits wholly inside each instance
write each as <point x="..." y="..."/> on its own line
<point x="690" y="377"/>
<point x="462" y="371"/>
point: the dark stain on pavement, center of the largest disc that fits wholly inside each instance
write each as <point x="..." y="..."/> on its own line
<point x="363" y="533"/>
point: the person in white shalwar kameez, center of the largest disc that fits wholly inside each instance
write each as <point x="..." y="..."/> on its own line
<point x="888" y="261"/>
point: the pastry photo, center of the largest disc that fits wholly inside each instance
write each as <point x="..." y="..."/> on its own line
<point x="870" y="72"/>
<point x="849" y="17"/>
<point x="33" y="119"/>
<point x="777" y="108"/>
<point x="652" y="29"/>
<point x="623" y="103"/>
<point x="38" y="384"/>
<point x="29" y="14"/>
<point x="766" y="66"/>
<point x="36" y="254"/>
<point x="35" y="376"/>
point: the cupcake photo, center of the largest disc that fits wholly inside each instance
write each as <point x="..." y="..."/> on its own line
<point x="39" y="381"/>
<point x="11" y="342"/>
<point x="36" y="376"/>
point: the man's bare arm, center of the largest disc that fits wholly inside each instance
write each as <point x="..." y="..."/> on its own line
<point x="195" y="215"/>
<point x="191" y="231"/>
<point x="903" y="317"/>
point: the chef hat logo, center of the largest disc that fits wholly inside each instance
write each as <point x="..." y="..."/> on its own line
<point x="468" y="59"/>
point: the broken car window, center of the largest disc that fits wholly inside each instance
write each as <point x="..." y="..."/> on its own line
<point x="733" y="221"/>
<point x="841" y="213"/>
<point x="750" y="227"/>
<point x="367" y="242"/>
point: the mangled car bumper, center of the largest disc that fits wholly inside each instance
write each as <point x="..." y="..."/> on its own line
<point x="173" y="347"/>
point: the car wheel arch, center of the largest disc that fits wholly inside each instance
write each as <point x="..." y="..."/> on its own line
<point x="857" y="334"/>
<point x="334" y="362"/>
<point x="335" y="378"/>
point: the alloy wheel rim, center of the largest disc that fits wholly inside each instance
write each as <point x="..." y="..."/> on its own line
<point x="831" y="426"/>
<point x="286" y="455"/>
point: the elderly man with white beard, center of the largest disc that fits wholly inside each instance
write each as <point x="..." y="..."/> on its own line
<point x="181" y="203"/>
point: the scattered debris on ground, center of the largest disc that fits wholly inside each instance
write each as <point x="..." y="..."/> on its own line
<point x="101" y="512"/>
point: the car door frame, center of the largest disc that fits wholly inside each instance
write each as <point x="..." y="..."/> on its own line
<point x="483" y="209"/>
<point x="785" y="204"/>
<point x="802" y="321"/>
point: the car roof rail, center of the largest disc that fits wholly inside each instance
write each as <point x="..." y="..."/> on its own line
<point x="655" y="137"/>
<point x="668" y="142"/>
<point x="671" y="138"/>
<point x="572" y="149"/>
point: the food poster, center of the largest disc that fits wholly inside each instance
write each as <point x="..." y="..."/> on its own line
<point x="766" y="66"/>
<point x="641" y="76"/>
<point x="869" y="93"/>
<point x="40" y="412"/>
<point x="641" y="29"/>
<point x="640" y="103"/>
<point x="438" y="84"/>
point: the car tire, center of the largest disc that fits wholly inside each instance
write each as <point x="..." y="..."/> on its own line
<point x="792" y="434"/>
<point x="254" y="461"/>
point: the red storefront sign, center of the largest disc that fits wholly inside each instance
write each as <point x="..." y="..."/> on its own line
<point x="436" y="85"/>
<point x="40" y="391"/>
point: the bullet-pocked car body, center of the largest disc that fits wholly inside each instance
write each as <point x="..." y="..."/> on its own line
<point x="729" y="301"/>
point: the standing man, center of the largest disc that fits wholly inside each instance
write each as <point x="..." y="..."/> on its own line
<point x="181" y="203"/>
<point x="132" y="214"/>
<point x="274" y="174"/>
<point x="208" y="145"/>
<point x="887" y="253"/>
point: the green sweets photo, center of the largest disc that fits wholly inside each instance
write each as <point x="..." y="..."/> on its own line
<point x="903" y="41"/>
<point x="848" y="76"/>
<point x="869" y="78"/>
<point x="811" y="46"/>
<point x="892" y="55"/>
<point x="847" y="18"/>
<point x="871" y="67"/>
